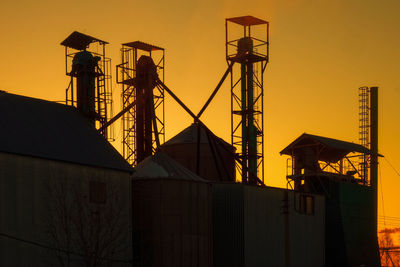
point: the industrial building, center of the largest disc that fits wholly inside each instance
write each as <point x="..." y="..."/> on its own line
<point x="318" y="165"/>
<point x="68" y="198"/>
<point x="266" y="226"/>
<point x="59" y="177"/>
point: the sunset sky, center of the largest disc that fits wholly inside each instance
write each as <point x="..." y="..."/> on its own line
<point x="321" y="52"/>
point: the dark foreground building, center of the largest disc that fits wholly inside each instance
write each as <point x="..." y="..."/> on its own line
<point x="64" y="190"/>
<point x="172" y="215"/>
<point x="319" y="167"/>
<point x="69" y="198"/>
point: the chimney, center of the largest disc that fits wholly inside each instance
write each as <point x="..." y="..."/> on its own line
<point x="374" y="149"/>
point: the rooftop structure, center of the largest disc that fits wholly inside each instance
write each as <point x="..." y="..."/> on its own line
<point x="329" y="149"/>
<point x="143" y="46"/>
<point x="247" y="20"/>
<point x="80" y="41"/>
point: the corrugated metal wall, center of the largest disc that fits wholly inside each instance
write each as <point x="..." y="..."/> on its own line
<point x="350" y="234"/>
<point x="361" y="244"/>
<point x="249" y="227"/>
<point x="307" y="232"/>
<point x="228" y="225"/>
<point x="25" y="201"/>
<point x="264" y="227"/>
<point x="171" y="223"/>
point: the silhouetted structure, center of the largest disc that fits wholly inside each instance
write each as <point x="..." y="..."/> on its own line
<point x="318" y="166"/>
<point x="364" y="129"/>
<point x="143" y="123"/>
<point x="266" y="226"/>
<point x="197" y="150"/>
<point x="47" y="146"/>
<point x="172" y="210"/>
<point x="374" y="155"/>
<point x="251" y="51"/>
<point x="90" y="87"/>
<point x="67" y="196"/>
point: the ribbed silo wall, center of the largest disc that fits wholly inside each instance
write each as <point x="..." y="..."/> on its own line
<point x="171" y="223"/>
<point x="249" y="228"/>
<point x="186" y="155"/>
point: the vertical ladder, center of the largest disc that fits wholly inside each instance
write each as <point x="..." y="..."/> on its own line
<point x="364" y="119"/>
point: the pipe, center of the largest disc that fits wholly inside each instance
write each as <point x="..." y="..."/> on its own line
<point x="196" y="119"/>
<point x="244" y="123"/>
<point x="374" y="163"/>
<point x="216" y="89"/>
<point x="374" y="149"/>
<point x="116" y="117"/>
<point x="287" y="227"/>
<point x="251" y="129"/>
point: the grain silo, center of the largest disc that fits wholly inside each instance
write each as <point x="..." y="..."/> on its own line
<point x="171" y="215"/>
<point x="199" y="151"/>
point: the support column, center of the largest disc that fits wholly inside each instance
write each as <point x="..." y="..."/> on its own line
<point x="244" y="122"/>
<point x="252" y="136"/>
<point x="374" y="149"/>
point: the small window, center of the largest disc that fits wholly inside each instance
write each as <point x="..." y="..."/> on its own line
<point x="97" y="192"/>
<point x="307" y="205"/>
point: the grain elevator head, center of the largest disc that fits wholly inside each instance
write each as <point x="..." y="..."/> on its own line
<point x="89" y="89"/>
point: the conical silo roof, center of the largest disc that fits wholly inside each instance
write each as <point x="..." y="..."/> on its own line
<point x="162" y="166"/>
<point x="213" y="159"/>
<point x="189" y="136"/>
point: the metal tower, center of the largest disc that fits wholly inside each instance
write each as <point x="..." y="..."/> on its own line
<point x="90" y="87"/>
<point x="364" y="129"/>
<point x="143" y="123"/>
<point x="247" y="43"/>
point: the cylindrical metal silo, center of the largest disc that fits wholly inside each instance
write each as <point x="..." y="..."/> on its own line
<point x="84" y="69"/>
<point x="146" y="75"/>
<point x="213" y="162"/>
<point x="171" y="215"/>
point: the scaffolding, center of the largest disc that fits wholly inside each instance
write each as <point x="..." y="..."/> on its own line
<point x="364" y="130"/>
<point x="103" y="109"/>
<point x="247" y="43"/>
<point x="126" y="74"/>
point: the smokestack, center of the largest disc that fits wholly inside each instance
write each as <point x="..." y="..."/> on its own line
<point x="374" y="149"/>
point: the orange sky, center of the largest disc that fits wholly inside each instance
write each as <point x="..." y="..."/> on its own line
<point x="320" y="53"/>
